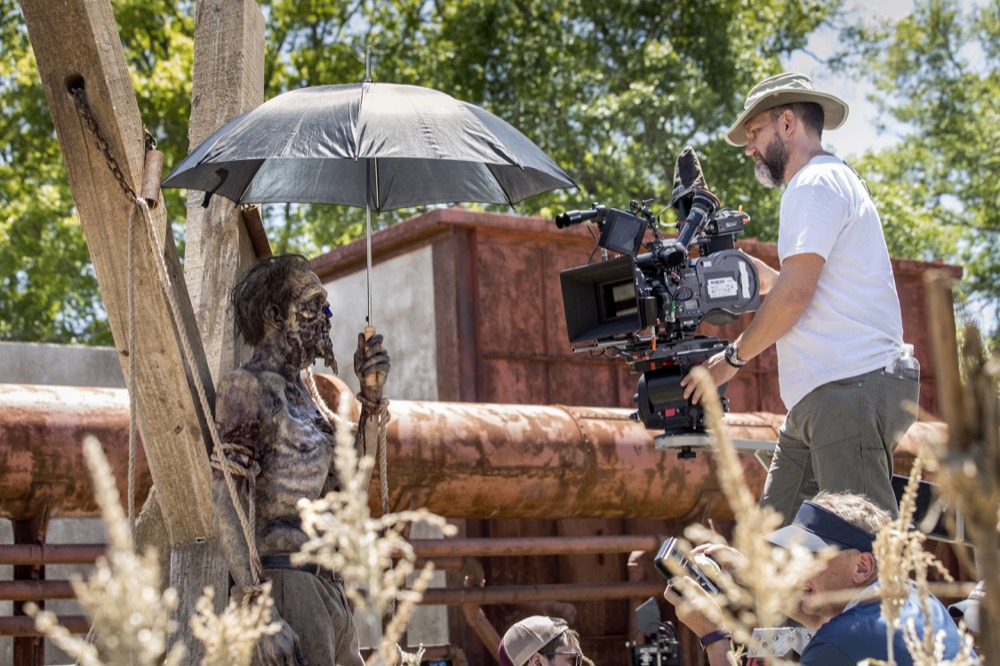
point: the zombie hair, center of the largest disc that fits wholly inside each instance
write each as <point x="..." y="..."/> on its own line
<point x="264" y="285"/>
<point x="810" y="113"/>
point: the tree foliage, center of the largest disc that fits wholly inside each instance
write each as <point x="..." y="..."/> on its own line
<point x="48" y="289"/>
<point x="937" y="73"/>
<point x="612" y="91"/>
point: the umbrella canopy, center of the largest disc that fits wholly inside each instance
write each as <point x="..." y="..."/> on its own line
<point x="378" y="146"/>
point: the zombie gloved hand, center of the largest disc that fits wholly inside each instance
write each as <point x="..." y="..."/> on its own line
<point x="371" y="365"/>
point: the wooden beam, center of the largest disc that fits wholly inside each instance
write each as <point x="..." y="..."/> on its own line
<point x="77" y="43"/>
<point x="221" y="243"/>
<point x="228" y="80"/>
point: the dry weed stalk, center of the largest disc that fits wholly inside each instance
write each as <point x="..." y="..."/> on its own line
<point x="903" y="565"/>
<point x="131" y="618"/>
<point x="931" y="653"/>
<point x="408" y="659"/>
<point x="344" y="537"/>
<point x="230" y="638"/>
<point x="770" y="579"/>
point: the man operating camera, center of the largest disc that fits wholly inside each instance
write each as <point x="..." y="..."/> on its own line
<point x="832" y="309"/>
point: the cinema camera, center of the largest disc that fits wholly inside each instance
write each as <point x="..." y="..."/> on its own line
<point x="646" y="306"/>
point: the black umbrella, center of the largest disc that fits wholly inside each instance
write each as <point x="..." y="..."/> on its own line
<point x="379" y="146"/>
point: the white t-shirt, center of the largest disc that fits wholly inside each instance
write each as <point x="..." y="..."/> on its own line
<point x="853" y="324"/>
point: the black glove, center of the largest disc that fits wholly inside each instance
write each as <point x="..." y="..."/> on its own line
<point x="371" y="365"/>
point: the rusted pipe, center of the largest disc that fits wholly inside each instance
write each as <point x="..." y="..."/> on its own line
<point x="22" y="625"/>
<point x="448" y="554"/>
<point x="41" y="453"/>
<point x="533" y="546"/>
<point x="39" y="555"/>
<point x="459" y="460"/>
<point x="513" y="594"/>
<point x="35" y="590"/>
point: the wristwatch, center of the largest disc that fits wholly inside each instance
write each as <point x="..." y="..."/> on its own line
<point x="732" y="355"/>
<point x="714" y="637"/>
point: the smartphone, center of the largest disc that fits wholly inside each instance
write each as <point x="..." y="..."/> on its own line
<point x="671" y="550"/>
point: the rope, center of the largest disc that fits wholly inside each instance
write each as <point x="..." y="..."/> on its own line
<point x="248" y="525"/>
<point x="133" y="425"/>
<point x="381" y="410"/>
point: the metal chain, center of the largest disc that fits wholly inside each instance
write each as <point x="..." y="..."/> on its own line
<point x="80" y="98"/>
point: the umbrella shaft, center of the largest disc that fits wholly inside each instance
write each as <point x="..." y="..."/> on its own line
<point x="368" y="235"/>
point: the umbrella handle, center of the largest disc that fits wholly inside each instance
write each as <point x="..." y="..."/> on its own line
<point x="370" y="380"/>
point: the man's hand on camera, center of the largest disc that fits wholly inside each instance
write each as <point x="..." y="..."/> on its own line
<point x="371" y="365"/>
<point x="718" y="369"/>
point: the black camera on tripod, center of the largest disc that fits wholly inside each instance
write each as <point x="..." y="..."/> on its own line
<point x="646" y="307"/>
<point x="661" y="647"/>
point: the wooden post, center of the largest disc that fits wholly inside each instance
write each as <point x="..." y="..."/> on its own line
<point x="77" y="43"/>
<point x="970" y="409"/>
<point x="228" y="80"/>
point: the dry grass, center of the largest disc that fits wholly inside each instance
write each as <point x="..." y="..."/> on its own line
<point x="904" y="565"/>
<point x="766" y="585"/>
<point x="230" y="638"/>
<point x="371" y="554"/>
<point x="131" y="618"/>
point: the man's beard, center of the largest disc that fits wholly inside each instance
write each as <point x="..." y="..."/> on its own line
<point x="770" y="171"/>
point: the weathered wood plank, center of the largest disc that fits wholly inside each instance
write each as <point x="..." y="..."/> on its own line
<point x="193" y="567"/>
<point x="77" y="43"/>
<point x="228" y="80"/>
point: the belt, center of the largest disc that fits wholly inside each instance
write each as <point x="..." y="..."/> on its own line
<point x="285" y="562"/>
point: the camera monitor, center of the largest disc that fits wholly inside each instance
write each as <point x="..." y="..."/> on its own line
<point x="622" y="232"/>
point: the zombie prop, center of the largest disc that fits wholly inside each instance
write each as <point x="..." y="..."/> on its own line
<point x="276" y="437"/>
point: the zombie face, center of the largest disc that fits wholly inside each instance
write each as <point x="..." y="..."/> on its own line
<point x="308" y="323"/>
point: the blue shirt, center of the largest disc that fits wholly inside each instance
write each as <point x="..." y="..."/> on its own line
<point x="860" y="633"/>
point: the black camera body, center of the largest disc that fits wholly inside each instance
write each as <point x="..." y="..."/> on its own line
<point x="646" y="307"/>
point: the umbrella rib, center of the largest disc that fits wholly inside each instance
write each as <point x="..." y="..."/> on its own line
<point x="506" y="194"/>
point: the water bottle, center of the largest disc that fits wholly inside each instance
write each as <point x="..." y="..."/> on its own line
<point x="907" y="365"/>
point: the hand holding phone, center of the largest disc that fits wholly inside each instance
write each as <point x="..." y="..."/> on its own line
<point x="671" y="550"/>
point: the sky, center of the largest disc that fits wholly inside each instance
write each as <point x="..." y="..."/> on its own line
<point x="859" y="132"/>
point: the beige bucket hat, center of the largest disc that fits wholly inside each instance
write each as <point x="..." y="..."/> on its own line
<point x="785" y="89"/>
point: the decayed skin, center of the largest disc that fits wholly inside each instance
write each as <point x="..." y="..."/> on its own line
<point x="265" y="406"/>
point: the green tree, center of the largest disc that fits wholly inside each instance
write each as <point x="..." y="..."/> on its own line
<point x="48" y="290"/>
<point x="937" y="72"/>
<point x="611" y="90"/>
